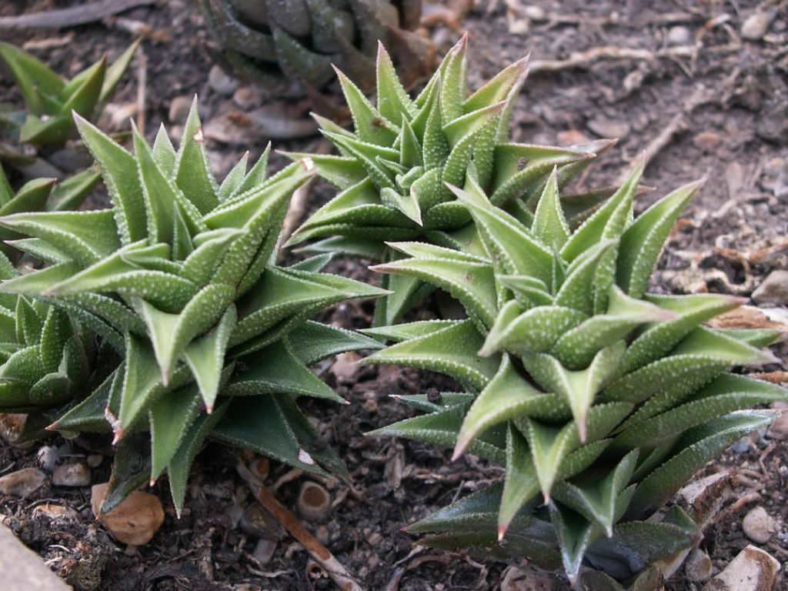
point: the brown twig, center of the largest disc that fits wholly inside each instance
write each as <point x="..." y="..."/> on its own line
<point x="582" y="59"/>
<point x="293" y="525"/>
<point x="69" y="17"/>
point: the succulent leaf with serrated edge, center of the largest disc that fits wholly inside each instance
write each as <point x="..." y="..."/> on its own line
<point x="601" y="397"/>
<point x="180" y="275"/>
<point x="393" y="169"/>
<point x="39" y="195"/>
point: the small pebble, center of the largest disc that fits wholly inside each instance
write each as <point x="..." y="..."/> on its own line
<point x="322" y="534"/>
<point x="247" y="97"/>
<point x="54" y="511"/>
<point x="221" y="82"/>
<point x="707" y="141"/>
<point x="264" y="550"/>
<point x="756" y="25"/>
<point x="47" y="457"/>
<point x="12" y="425"/>
<point x="345" y="366"/>
<point x="534" y="12"/>
<point x="71" y="475"/>
<point x="256" y="521"/>
<point x="95" y="460"/>
<point x="741" y="446"/>
<point x="773" y="290"/>
<point x="679" y="36"/>
<point x="608" y="128"/>
<point x="698" y="566"/>
<point x="179" y="109"/>
<point x="135" y="521"/>
<point x="758" y="525"/>
<point x="752" y="569"/>
<point x="22" y="482"/>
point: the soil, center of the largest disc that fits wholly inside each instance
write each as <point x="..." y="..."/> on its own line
<point x="732" y="236"/>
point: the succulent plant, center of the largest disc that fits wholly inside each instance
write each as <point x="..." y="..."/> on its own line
<point x="46" y="359"/>
<point x="47" y="122"/>
<point x="600" y="399"/>
<point x="179" y="275"/>
<point x="40" y="195"/>
<point x="295" y="42"/>
<point x="393" y="169"/>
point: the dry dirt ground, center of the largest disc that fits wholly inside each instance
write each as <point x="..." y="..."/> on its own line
<point x="700" y="98"/>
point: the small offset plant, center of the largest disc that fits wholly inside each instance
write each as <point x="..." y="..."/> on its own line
<point x="46" y="359"/>
<point x="280" y="43"/>
<point x="393" y="170"/>
<point x="600" y="399"/>
<point x="179" y="276"/>
<point x="49" y="100"/>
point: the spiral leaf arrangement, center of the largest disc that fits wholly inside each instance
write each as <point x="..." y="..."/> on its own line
<point x="600" y="399"/>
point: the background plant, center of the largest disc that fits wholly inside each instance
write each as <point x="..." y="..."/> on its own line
<point x="393" y="169"/>
<point x="600" y="399"/>
<point x="292" y="46"/>
<point x="179" y="277"/>
<point x="46" y="123"/>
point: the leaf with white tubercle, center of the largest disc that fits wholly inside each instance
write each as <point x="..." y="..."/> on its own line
<point x="409" y="330"/>
<point x="575" y="535"/>
<point x="601" y="500"/>
<point x="466" y="278"/>
<point x="695" y="448"/>
<point x="550" y="445"/>
<point x="506" y="396"/>
<point x="578" y="345"/>
<point x="643" y="240"/>
<point x="719" y="395"/>
<point x="451" y="350"/>
<point x="517" y="251"/>
<point x="440" y="428"/>
<point x="535" y="330"/>
<point x="577" y="388"/>
<point x="85" y="236"/>
<point x="660" y="338"/>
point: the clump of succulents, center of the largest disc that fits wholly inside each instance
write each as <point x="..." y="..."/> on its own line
<point x="46" y="123"/>
<point x="282" y="42"/>
<point x="180" y="275"/>
<point x="393" y="169"/>
<point x="46" y="359"/>
<point x="600" y="399"/>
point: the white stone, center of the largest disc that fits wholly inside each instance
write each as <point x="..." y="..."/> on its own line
<point x="773" y="290"/>
<point x="22" y="482"/>
<point x="758" y="525"/>
<point x="71" y="475"/>
<point x="698" y="566"/>
<point x="756" y="25"/>
<point x="221" y="82"/>
<point x="751" y="570"/>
